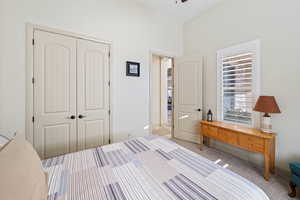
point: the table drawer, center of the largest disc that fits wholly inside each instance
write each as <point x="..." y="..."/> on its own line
<point x="251" y="143"/>
<point x="204" y="130"/>
<point x="209" y="131"/>
<point x="228" y="137"/>
<point x="256" y="140"/>
<point x="257" y="144"/>
<point x="257" y="148"/>
<point x="213" y="132"/>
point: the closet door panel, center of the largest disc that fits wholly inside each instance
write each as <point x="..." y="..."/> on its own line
<point x="54" y="94"/>
<point x="92" y="94"/>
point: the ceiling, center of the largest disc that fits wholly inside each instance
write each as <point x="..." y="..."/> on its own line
<point x="185" y="11"/>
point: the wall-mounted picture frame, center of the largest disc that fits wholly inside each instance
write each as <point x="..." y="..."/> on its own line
<point x="132" y="69"/>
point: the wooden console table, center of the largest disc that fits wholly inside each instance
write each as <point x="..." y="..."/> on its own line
<point x="245" y="138"/>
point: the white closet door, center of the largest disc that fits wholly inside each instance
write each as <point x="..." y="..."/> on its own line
<point x="92" y="94"/>
<point x="54" y="94"/>
<point x="187" y="98"/>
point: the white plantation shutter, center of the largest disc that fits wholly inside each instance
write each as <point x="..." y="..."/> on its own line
<point x="237" y="88"/>
<point x="237" y="91"/>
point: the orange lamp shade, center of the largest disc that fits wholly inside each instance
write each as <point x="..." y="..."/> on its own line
<point x="267" y="104"/>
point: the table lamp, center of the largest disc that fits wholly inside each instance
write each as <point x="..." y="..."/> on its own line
<point x="266" y="104"/>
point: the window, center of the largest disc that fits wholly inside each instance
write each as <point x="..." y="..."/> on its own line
<point x="238" y="83"/>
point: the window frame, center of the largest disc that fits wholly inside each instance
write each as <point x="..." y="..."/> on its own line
<point x="253" y="47"/>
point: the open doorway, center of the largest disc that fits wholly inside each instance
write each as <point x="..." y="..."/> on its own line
<point x="161" y="95"/>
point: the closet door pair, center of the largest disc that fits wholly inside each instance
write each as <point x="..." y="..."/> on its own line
<point x="71" y="94"/>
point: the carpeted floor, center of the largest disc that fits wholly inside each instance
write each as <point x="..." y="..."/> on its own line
<point x="163" y="131"/>
<point x="276" y="188"/>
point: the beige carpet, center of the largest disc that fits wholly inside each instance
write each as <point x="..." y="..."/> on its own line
<point x="162" y="131"/>
<point x="277" y="188"/>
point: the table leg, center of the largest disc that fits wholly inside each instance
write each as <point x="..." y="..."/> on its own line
<point x="207" y="141"/>
<point x="267" y="159"/>
<point x="201" y="143"/>
<point x="267" y="168"/>
<point x="272" y="154"/>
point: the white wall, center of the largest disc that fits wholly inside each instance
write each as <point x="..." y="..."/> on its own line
<point x="276" y="24"/>
<point x="133" y="29"/>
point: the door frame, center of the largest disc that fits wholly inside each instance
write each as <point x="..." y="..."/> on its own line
<point x="161" y="54"/>
<point x="29" y="104"/>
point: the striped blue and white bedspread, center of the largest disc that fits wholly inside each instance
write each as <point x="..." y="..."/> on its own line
<point x="146" y="168"/>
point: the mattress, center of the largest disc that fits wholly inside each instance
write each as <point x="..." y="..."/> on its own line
<point x="145" y="168"/>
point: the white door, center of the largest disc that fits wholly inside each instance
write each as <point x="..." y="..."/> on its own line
<point x="54" y="94"/>
<point x="92" y="94"/>
<point x="187" y="98"/>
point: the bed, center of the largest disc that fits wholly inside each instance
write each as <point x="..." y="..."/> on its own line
<point x="144" y="168"/>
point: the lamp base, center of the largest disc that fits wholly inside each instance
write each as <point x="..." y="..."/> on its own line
<point x="267" y="130"/>
<point x="266" y="125"/>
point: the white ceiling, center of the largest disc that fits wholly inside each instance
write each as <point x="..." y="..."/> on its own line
<point x="186" y="11"/>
